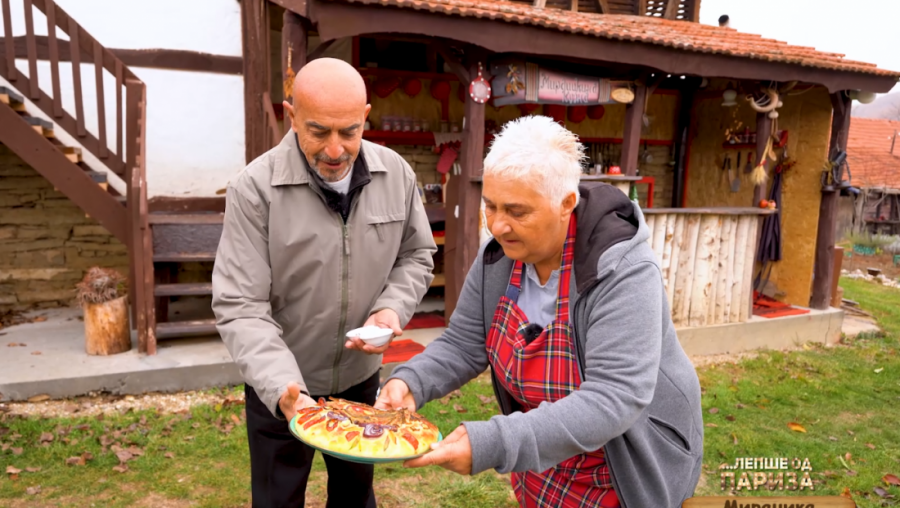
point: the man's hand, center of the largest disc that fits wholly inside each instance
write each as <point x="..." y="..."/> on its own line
<point x="292" y="400"/>
<point x="385" y="318"/>
<point x="395" y="395"/>
<point x="453" y="453"/>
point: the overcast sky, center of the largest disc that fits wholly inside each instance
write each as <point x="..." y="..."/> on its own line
<point x="865" y="30"/>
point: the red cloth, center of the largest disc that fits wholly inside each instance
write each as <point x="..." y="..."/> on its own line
<point x="401" y="351"/>
<point x="546" y="369"/>
<point x="448" y="157"/>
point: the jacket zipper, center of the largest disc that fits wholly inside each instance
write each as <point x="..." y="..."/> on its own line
<point x="579" y="354"/>
<point x="345" y="271"/>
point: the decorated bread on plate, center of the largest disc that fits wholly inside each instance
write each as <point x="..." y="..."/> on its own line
<point x="360" y="430"/>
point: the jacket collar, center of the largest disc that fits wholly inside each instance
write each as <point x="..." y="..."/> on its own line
<point x="291" y="168"/>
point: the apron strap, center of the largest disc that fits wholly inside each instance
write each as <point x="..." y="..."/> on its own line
<point x="565" y="273"/>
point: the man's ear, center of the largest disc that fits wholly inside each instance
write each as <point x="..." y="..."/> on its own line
<point x="568" y="205"/>
<point x="368" y="110"/>
<point x="289" y="114"/>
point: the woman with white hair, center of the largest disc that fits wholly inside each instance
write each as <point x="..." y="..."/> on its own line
<point x="566" y="304"/>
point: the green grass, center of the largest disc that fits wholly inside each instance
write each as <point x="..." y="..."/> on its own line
<point x="210" y="468"/>
<point x="835" y="394"/>
<point x="847" y="398"/>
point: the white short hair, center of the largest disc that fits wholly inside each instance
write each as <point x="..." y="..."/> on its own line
<point x="539" y="150"/>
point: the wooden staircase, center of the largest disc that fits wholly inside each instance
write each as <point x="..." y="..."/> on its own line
<point x="32" y="115"/>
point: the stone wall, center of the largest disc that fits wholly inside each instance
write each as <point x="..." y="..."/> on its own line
<point x="423" y="161"/>
<point x="46" y="242"/>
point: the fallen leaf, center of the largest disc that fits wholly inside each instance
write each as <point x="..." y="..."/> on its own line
<point x="39" y="398"/>
<point x="39" y="319"/>
<point x="850" y="432"/>
<point x="46" y="437"/>
<point x="21" y="344"/>
<point x="445" y="400"/>
<point x="740" y="406"/>
<point x="878" y="370"/>
<point x="443" y="411"/>
<point x="832" y="438"/>
<point x="852" y="473"/>
<point x="33" y="491"/>
<point x="188" y="438"/>
<point x="17" y="451"/>
<point x="848" y="456"/>
<point x="235" y="419"/>
<point x="485" y="399"/>
<point x="891" y="480"/>
<point x="846" y="493"/>
<point x="796" y="427"/>
<point x="455" y="394"/>
<point x="870" y="445"/>
<point x="33" y="469"/>
<point x="734" y="437"/>
<point x="124" y="456"/>
<point x="882" y="493"/>
<point x="460" y="409"/>
<point x="713" y="410"/>
<point x="75" y="461"/>
<point x="4" y="447"/>
<point x="12" y="344"/>
<point x="195" y="425"/>
<point x="220" y="192"/>
<point x="711" y="425"/>
<point x="121" y="468"/>
<point x="730" y="418"/>
<point x="12" y="470"/>
<point x="169" y="455"/>
<point x="35" y="353"/>
<point x="87" y="456"/>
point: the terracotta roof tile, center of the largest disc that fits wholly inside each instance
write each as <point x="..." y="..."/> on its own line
<point x="647" y="29"/>
<point x="869" y="153"/>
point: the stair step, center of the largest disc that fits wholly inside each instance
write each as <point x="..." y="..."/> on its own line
<point x="186" y="218"/>
<point x="12" y="99"/>
<point x="73" y="153"/>
<point x="173" y="329"/>
<point x="186" y="257"/>
<point x="185" y="289"/>
<point x="41" y="126"/>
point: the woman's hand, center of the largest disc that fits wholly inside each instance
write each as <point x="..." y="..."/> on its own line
<point x="385" y="318"/>
<point x="395" y="395"/>
<point x="453" y="453"/>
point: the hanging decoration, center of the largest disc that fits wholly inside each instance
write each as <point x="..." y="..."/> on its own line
<point x="596" y="112"/>
<point x="440" y="89"/>
<point x="412" y="87"/>
<point x="515" y="80"/>
<point x="479" y="88"/>
<point x="577" y="114"/>
<point x="768" y="103"/>
<point x="386" y="86"/>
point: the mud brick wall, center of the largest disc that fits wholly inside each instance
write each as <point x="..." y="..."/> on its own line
<point x="46" y="242"/>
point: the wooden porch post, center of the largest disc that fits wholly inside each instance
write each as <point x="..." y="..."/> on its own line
<point x="682" y="143"/>
<point x="471" y="160"/>
<point x="255" y="36"/>
<point x="763" y="132"/>
<point x="631" y="139"/>
<point x="825" y="237"/>
<point x="294" y="47"/>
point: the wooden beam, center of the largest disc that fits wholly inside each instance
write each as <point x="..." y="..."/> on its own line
<point x="471" y="159"/>
<point x="320" y="50"/>
<point x="168" y="59"/>
<point x="682" y="144"/>
<point x="454" y="63"/>
<point x="763" y="132"/>
<point x="671" y="9"/>
<point x="631" y="139"/>
<point x="254" y="38"/>
<point x="604" y="6"/>
<point x="574" y="5"/>
<point x="825" y="236"/>
<point x="294" y="47"/>
<point x="540" y="3"/>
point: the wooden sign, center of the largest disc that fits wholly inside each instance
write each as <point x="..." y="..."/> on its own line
<point x="769" y="502"/>
<point x="520" y="82"/>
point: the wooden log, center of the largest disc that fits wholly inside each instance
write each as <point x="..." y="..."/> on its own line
<point x="715" y="270"/>
<point x="666" y="266"/>
<point x="684" y="283"/>
<point x="728" y="276"/>
<point x="737" y="288"/>
<point x="677" y="244"/>
<point x="749" y="253"/>
<point x="659" y="237"/>
<point x="702" y="280"/>
<point x="651" y="225"/>
<point x="836" y="276"/>
<point x="106" y="327"/>
<point x="631" y="137"/>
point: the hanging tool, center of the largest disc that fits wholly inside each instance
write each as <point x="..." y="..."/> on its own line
<point x="748" y="168"/>
<point x="733" y="176"/>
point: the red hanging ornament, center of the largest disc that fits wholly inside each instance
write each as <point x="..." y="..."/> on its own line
<point x="528" y="108"/>
<point x="479" y="88"/>
<point x="412" y="87"/>
<point x="556" y="112"/>
<point x="386" y="86"/>
<point x="596" y="112"/>
<point x="576" y="114"/>
<point x="440" y="89"/>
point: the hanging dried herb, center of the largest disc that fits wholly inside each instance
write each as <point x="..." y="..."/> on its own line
<point x="101" y="285"/>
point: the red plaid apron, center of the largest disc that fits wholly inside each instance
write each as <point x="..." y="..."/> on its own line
<point x="546" y="370"/>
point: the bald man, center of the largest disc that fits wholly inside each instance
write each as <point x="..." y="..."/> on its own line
<point x="323" y="234"/>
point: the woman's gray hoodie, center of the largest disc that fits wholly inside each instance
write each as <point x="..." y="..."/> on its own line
<point x="640" y="398"/>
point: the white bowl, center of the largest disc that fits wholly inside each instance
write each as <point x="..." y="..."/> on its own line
<point x="372" y="335"/>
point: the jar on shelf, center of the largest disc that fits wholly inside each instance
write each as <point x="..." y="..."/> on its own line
<point x="425" y="126"/>
<point x="417" y="126"/>
<point x="397" y="124"/>
<point x="387" y="123"/>
<point x="407" y="124"/>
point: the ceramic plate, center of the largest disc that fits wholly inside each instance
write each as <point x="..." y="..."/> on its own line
<point x="355" y="458"/>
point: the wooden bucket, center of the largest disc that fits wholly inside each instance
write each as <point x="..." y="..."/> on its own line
<point x="107" y="330"/>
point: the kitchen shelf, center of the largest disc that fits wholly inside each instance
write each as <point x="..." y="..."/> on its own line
<point x="439" y="281"/>
<point x="439" y="240"/>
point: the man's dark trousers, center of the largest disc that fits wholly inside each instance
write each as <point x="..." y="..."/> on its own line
<point x="280" y="464"/>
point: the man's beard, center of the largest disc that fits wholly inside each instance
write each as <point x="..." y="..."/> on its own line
<point x="327" y="174"/>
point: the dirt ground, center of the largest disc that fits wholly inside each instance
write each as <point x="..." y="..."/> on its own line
<point x="884" y="262"/>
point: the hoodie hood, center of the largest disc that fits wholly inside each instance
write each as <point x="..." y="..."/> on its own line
<point x="606" y="219"/>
